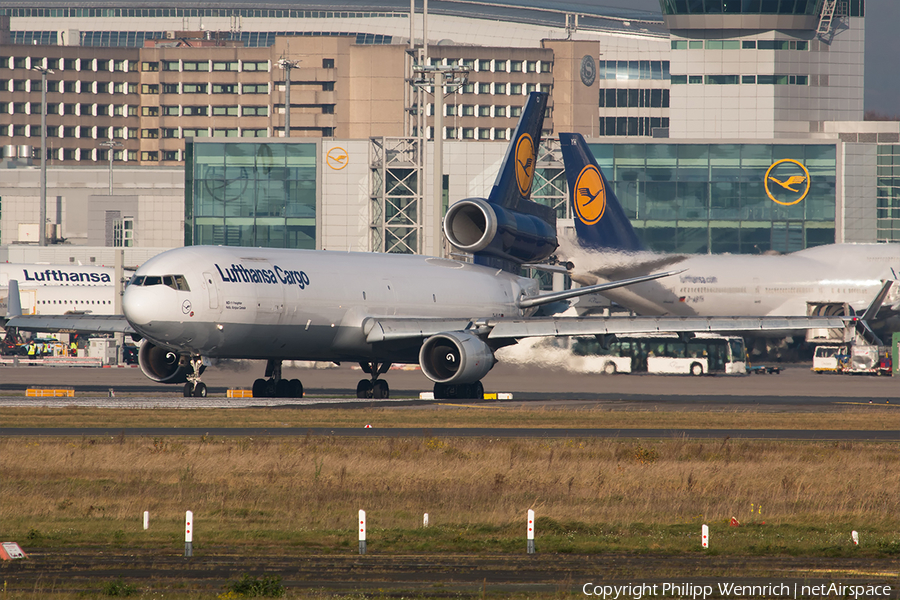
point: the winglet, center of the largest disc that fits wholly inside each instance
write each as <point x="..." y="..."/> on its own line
<point x="600" y="220"/>
<point x="13" y="301"/>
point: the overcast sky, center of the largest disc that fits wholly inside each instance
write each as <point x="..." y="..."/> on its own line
<point x="882" y="50"/>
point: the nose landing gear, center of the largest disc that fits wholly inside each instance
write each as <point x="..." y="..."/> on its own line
<point x="374" y="387"/>
<point x="194" y="387"/>
<point x="275" y="386"/>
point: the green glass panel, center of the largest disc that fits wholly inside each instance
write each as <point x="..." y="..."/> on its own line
<point x="724" y="239"/>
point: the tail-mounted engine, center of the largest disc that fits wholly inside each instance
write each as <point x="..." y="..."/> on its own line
<point x="163" y="366"/>
<point x="484" y="228"/>
<point x="455" y="357"/>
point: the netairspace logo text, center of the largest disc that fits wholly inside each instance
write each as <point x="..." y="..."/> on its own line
<point x="725" y="590"/>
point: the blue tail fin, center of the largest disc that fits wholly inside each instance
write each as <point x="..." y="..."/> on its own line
<point x="507" y="229"/>
<point x="600" y="220"/>
<point x="513" y="184"/>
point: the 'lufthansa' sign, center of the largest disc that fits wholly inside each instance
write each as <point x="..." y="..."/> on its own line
<point x="787" y="182"/>
<point x="590" y="195"/>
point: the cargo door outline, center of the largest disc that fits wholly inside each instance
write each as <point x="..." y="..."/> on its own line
<point x="212" y="289"/>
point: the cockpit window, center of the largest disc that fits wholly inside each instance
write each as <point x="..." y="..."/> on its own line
<point x="181" y="283"/>
<point x="176" y="282"/>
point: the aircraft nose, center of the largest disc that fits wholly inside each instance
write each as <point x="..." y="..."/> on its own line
<point x="139" y="307"/>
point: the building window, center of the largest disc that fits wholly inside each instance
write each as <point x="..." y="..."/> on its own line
<point x="468" y="133"/>
<point x="224" y="88"/>
<point x="695" y="78"/>
<point x="35" y="108"/>
<point x="200" y="133"/>
<point x="450" y="110"/>
<point x="224" y="66"/>
<point x="499" y="134"/>
<point x="194" y="111"/>
<point x="119" y="65"/>
<point x="170" y="65"/>
<point x="255" y="111"/>
<point x="484" y="134"/>
<point x="500" y="88"/>
<point x="468" y="88"/>
<point x="515" y="111"/>
<point x="327" y="63"/>
<point x="70" y="87"/>
<point x="170" y="155"/>
<point x="150" y="134"/>
<point x="193" y="88"/>
<point x="721" y="79"/>
<point x="515" y="66"/>
<point x="202" y="65"/>
<point x="150" y="88"/>
<point x="254" y="133"/>
<point x="484" y="88"/>
<point x="748" y="78"/>
<point x="225" y="132"/>
<point x="52" y="86"/>
<point x="150" y="155"/>
<point x="170" y="111"/>
<point x="499" y="111"/>
<point x="484" y="65"/>
<point x="515" y="89"/>
<point x="484" y="111"/>
<point x="149" y="111"/>
<point x="224" y="111"/>
<point x="255" y="88"/>
<point x="68" y="132"/>
<point x="545" y="66"/>
<point x="170" y="132"/>
<point x="170" y="88"/>
<point x="18" y="130"/>
<point x="500" y="66"/>
<point x="468" y="110"/>
<point x="256" y="66"/>
<point x="150" y="66"/>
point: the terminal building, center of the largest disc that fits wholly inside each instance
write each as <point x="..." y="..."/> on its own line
<point x="169" y="126"/>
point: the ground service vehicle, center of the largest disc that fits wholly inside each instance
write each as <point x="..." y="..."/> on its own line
<point x="667" y="354"/>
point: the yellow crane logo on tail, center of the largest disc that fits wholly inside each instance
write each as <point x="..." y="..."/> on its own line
<point x="524" y="164"/>
<point x="589" y="196"/>
<point x="789" y="188"/>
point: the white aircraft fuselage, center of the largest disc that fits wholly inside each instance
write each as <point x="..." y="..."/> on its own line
<point x="778" y="285"/>
<point x="305" y="304"/>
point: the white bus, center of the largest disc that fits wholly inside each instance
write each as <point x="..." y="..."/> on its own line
<point x="667" y="354"/>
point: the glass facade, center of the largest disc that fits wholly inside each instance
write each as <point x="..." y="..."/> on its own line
<point x="888" y="193"/>
<point x="714" y="198"/>
<point x="854" y="8"/>
<point x="244" y="193"/>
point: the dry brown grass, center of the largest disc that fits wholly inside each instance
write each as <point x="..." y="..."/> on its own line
<point x="239" y="487"/>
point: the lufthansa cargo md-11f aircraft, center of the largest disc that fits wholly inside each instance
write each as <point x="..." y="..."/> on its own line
<point x="201" y="302"/>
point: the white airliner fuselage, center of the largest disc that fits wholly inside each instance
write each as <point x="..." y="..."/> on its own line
<point x="270" y="303"/>
<point x="777" y="285"/>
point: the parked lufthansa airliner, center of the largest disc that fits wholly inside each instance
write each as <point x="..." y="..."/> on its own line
<point x="195" y="303"/>
<point x="823" y="280"/>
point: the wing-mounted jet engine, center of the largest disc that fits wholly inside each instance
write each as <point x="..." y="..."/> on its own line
<point x="507" y="229"/>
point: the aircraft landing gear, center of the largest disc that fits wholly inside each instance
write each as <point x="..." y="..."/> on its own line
<point x="194" y="387"/>
<point x="374" y="387"/>
<point x="275" y="386"/>
<point x="459" y="391"/>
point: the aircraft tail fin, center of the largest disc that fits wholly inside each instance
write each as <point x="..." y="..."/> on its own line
<point x="507" y="228"/>
<point x="600" y="219"/>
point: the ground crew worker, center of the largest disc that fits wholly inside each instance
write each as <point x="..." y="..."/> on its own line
<point x="73" y="348"/>
<point x="31" y="350"/>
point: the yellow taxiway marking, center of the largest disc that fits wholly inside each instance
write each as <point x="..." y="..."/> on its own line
<point x="465" y="405"/>
<point x="870" y="404"/>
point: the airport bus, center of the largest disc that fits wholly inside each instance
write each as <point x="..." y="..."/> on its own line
<point x="667" y="354"/>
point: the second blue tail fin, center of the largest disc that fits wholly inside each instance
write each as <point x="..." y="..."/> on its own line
<point x="600" y="220"/>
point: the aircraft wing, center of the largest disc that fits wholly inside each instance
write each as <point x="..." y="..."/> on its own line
<point x="562" y="326"/>
<point x="80" y="323"/>
<point x="380" y="330"/>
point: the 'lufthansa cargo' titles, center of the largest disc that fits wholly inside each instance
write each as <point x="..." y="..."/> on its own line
<point x="241" y="274"/>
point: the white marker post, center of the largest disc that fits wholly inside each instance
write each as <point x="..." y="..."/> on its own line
<point x="146" y="520"/>
<point x="188" y="534"/>
<point x="530" y="531"/>
<point x="425" y="521"/>
<point x="704" y="536"/>
<point x="362" y="532"/>
<point x="855" y="535"/>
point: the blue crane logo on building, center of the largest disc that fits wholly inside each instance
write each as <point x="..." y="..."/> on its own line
<point x="787" y="182"/>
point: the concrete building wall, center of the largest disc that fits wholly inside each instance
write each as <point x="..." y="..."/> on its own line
<point x="858" y="212"/>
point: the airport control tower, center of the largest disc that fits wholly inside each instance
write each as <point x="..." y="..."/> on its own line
<point x="764" y="68"/>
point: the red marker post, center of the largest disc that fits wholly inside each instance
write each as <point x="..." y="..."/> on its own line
<point x="362" y="532"/>
<point x="530" y="531"/>
<point x="704" y="536"/>
<point x="188" y="534"/>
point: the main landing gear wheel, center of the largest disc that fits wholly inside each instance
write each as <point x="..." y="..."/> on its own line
<point x="275" y="386"/>
<point x="194" y="387"/>
<point x="459" y="391"/>
<point x="374" y="387"/>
